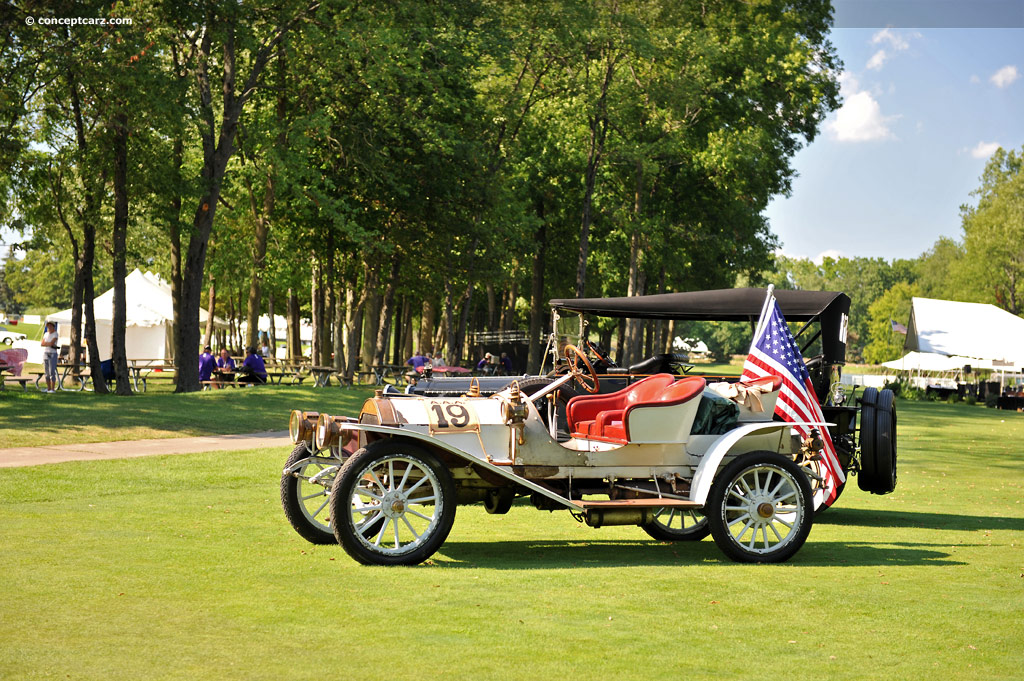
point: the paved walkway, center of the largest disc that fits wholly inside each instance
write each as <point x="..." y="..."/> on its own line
<point x="129" y="449"/>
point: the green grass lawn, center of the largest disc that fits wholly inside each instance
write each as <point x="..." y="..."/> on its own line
<point x="34" y="418"/>
<point x="184" y="567"/>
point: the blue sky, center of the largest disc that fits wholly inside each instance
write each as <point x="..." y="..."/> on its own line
<point x="923" y="110"/>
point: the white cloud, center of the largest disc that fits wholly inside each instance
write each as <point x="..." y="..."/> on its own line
<point x="830" y="253"/>
<point x="1004" y="76"/>
<point x="894" y="40"/>
<point x="984" y="149"/>
<point x="877" y="59"/>
<point x="860" y="118"/>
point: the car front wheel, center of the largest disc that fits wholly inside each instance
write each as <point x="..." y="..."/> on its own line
<point x="760" y="508"/>
<point x="393" y="503"/>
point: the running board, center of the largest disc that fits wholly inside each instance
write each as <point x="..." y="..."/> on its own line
<point x="634" y="503"/>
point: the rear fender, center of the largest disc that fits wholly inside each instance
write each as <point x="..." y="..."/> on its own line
<point x="440" y="447"/>
<point x="716" y="453"/>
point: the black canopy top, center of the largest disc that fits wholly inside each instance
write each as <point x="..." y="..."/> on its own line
<point x="736" y="304"/>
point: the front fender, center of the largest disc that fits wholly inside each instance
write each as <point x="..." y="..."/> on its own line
<point x="712" y="459"/>
<point x="434" y="443"/>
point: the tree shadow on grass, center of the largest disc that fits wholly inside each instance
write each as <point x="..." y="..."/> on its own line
<point x="929" y="521"/>
<point x="548" y="554"/>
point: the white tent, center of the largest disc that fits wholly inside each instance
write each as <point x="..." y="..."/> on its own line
<point x="934" y="362"/>
<point x="281" y="327"/>
<point x="149" y="317"/>
<point x="972" y="330"/>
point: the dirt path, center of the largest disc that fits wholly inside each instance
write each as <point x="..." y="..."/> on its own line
<point x="128" y="449"/>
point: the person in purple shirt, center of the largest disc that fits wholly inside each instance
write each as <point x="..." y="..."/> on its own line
<point x="225" y="367"/>
<point x="206" y="364"/>
<point x="253" y="369"/>
<point x="506" y="363"/>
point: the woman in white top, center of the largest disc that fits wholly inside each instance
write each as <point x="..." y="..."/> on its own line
<point x="49" y="344"/>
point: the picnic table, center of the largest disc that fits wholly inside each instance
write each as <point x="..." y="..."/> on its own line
<point x="381" y="372"/>
<point x="136" y="367"/>
<point x="321" y="376"/>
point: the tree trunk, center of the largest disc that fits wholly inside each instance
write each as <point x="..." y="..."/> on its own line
<point x="174" y="229"/>
<point x="338" y="329"/>
<point x="353" y="329"/>
<point x="386" y="311"/>
<point x="259" y="262"/>
<point x="216" y="154"/>
<point x="620" y="341"/>
<point x="537" y="307"/>
<point x="118" y="238"/>
<point x="90" y="216"/>
<point x="294" y="328"/>
<point x="492" y="305"/>
<point x="447" y="322"/>
<point x="407" y="334"/>
<point x="460" y="337"/>
<point x="425" y="341"/>
<point x="211" y="307"/>
<point x="327" y="317"/>
<point x="76" y="310"/>
<point x="271" y="313"/>
<point x="316" y="312"/>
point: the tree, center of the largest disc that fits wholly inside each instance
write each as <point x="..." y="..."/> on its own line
<point x="994" y="232"/>
<point x="885" y="343"/>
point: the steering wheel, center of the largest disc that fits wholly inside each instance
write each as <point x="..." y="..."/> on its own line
<point x="602" y="356"/>
<point x="574" y="356"/>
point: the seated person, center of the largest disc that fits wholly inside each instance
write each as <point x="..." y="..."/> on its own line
<point x="253" y="369"/>
<point x="225" y="367"/>
<point x="506" y="364"/>
<point x="486" y="365"/>
<point x="206" y="364"/>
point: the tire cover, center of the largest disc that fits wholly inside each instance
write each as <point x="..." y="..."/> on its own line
<point x="885" y="443"/>
<point x="867" y="478"/>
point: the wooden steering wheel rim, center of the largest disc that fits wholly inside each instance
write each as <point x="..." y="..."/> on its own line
<point x="573" y="355"/>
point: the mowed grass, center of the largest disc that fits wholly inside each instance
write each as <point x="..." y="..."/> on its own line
<point x="184" y="567"/>
<point x="33" y="418"/>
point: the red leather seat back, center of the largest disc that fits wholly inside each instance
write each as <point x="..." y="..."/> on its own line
<point x="587" y="407"/>
<point x="682" y="390"/>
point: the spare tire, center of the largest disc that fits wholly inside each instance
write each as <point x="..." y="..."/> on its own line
<point x="877" y="442"/>
<point x="867" y="476"/>
<point x="885" y="443"/>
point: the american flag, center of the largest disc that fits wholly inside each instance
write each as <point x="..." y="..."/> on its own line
<point x="774" y="352"/>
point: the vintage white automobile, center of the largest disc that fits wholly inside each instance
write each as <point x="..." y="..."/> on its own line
<point x="386" y="485"/>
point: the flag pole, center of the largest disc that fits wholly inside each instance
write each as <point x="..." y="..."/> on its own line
<point x="764" y="310"/>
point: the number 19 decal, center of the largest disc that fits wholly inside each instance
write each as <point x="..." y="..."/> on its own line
<point x="451" y="417"/>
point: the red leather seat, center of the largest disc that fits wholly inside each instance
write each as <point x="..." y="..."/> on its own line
<point x="611" y="423"/>
<point x="600" y="416"/>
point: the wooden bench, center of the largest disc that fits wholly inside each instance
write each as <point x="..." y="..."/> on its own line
<point x="22" y="380"/>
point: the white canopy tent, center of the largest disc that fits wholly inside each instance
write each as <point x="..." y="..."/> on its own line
<point x="934" y="362"/>
<point x="149" y="319"/>
<point x="973" y="330"/>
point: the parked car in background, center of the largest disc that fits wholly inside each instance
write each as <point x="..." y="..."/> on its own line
<point x="9" y="337"/>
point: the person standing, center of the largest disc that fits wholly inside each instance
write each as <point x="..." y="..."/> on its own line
<point x="206" y="364"/>
<point x="50" y="350"/>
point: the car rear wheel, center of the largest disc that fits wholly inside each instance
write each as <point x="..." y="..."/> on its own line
<point x="305" y="494"/>
<point x="760" y="508"/>
<point x="677" y="524"/>
<point x="393" y="503"/>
